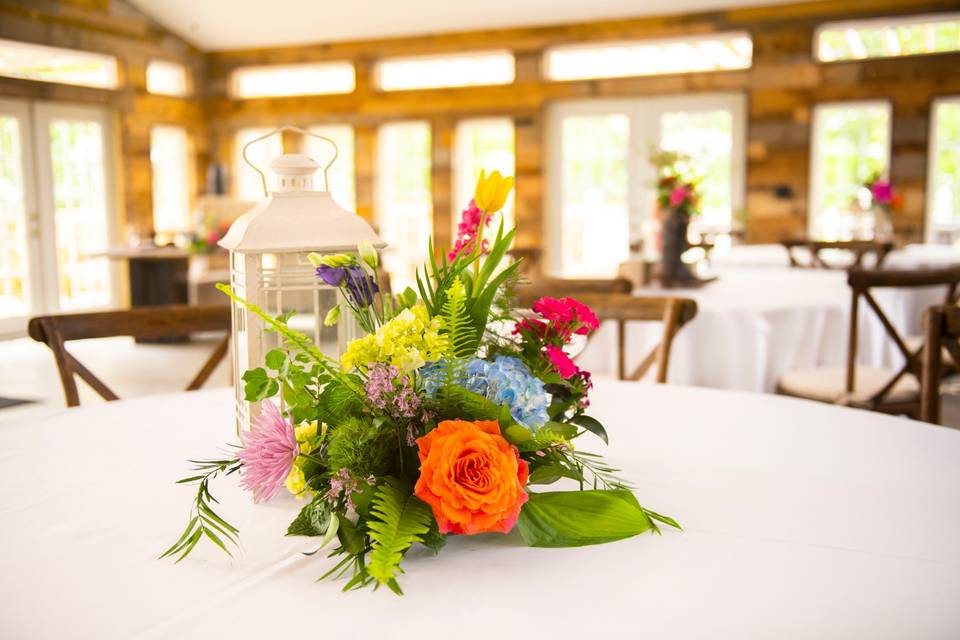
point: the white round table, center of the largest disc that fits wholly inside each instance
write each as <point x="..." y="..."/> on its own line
<point x="755" y="324"/>
<point x="800" y="520"/>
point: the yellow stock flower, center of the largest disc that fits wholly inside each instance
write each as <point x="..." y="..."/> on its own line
<point x="408" y="341"/>
<point x="492" y="191"/>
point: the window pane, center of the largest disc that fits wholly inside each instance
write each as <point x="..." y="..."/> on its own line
<point x="707" y="138"/>
<point x="171" y="163"/>
<point x="649" y="57"/>
<point x="485" y="144"/>
<point x="851" y="143"/>
<point x="404" y="201"/>
<point x="341" y="171"/>
<point x="167" y="78"/>
<point x="594" y="219"/>
<point x="293" y="80"/>
<point x="944" y="196"/>
<point x="430" y="72"/>
<point x="80" y="213"/>
<point x="888" y="37"/>
<point x="14" y="296"/>
<point x="248" y="185"/>
<point x="53" y="64"/>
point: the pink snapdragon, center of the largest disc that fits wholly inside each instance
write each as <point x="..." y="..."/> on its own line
<point x="268" y="453"/>
<point x="467" y="231"/>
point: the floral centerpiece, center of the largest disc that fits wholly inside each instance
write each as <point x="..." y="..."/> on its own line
<point x="879" y="198"/>
<point x="678" y="195"/>
<point x="437" y="422"/>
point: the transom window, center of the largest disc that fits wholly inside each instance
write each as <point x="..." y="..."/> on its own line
<point x="313" y="78"/>
<point x="715" y="52"/>
<point x="53" y="64"/>
<point x="167" y="78"/>
<point x="457" y="70"/>
<point x="888" y="37"/>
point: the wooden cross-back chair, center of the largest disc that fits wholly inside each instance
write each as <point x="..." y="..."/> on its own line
<point x="878" y="389"/>
<point x="142" y="322"/>
<point x="941" y="333"/>
<point x="859" y="248"/>
<point x="621" y="307"/>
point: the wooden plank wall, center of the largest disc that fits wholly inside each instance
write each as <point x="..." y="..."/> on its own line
<point x="782" y="88"/>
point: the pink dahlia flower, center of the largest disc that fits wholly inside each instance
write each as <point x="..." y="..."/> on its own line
<point x="268" y="453"/>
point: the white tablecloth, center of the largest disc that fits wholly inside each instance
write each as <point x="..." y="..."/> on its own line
<point x="801" y="520"/>
<point x="755" y="324"/>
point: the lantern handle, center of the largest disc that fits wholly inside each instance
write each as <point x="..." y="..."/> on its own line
<point x="287" y="127"/>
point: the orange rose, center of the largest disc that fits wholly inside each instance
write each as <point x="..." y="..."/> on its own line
<point x="471" y="477"/>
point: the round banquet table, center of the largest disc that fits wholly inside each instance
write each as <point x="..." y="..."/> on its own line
<point x="800" y="520"/>
<point x="755" y="324"/>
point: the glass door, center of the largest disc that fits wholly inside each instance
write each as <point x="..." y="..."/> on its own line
<point x="21" y="291"/>
<point x="600" y="183"/>
<point x="77" y="197"/>
<point x="57" y="211"/>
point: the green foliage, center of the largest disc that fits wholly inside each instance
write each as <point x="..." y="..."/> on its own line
<point x="578" y="518"/>
<point x="399" y="520"/>
<point x="258" y="385"/>
<point x="313" y="520"/>
<point x="592" y="425"/>
<point x="204" y="521"/>
<point x="362" y="445"/>
<point x="462" y="339"/>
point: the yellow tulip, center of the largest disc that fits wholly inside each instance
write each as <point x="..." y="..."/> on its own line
<point x="492" y="191"/>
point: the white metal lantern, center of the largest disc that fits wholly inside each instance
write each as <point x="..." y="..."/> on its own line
<point x="269" y="266"/>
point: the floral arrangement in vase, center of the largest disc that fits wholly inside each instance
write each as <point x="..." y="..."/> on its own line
<point x="880" y="200"/>
<point x="208" y="233"/>
<point x="437" y="422"/>
<point x="677" y="184"/>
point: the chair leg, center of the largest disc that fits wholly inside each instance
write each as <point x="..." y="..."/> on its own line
<point x="205" y="372"/>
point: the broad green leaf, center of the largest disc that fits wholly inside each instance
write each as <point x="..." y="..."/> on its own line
<point x="313" y="519"/>
<point x="550" y="473"/>
<point x="275" y="359"/>
<point x="592" y="425"/>
<point x="578" y="518"/>
<point x="351" y="538"/>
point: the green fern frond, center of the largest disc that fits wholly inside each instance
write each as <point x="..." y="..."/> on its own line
<point x="399" y="520"/>
<point x="461" y="335"/>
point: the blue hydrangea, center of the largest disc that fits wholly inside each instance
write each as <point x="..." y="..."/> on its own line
<point x="505" y="381"/>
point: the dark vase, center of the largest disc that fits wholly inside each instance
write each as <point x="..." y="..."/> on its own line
<point x="673" y="271"/>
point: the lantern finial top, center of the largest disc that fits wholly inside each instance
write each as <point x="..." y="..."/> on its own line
<point x="294" y="172"/>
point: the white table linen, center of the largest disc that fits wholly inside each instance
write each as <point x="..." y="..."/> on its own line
<point x="911" y="256"/>
<point x="801" y="520"/>
<point x="754" y="324"/>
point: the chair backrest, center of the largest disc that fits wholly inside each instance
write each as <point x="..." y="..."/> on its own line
<point x="859" y="249"/>
<point x="941" y="336"/>
<point x="148" y="323"/>
<point x="862" y="282"/>
<point x="562" y="287"/>
<point x="622" y="308"/>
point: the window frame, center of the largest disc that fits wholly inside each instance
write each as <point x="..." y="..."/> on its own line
<point x="644" y="114"/>
<point x="928" y="226"/>
<point x="813" y="189"/>
<point x="685" y="39"/>
<point x="887" y="21"/>
<point x="377" y="72"/>
<point x="233" y="82"/>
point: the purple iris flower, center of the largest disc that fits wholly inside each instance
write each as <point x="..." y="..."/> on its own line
<point x="359" y="287"/>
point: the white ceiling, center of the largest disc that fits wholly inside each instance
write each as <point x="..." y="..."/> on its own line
<point x="239" y="24"/>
